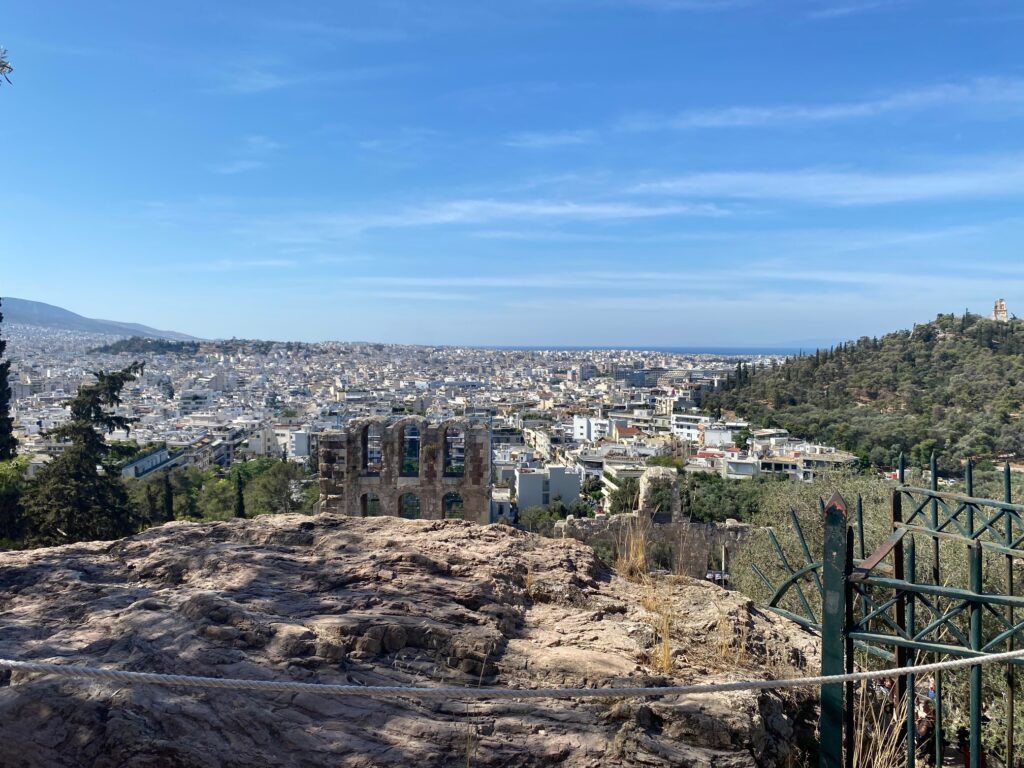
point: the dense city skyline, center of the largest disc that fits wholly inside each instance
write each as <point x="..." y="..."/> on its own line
<point x="693" y="174"/>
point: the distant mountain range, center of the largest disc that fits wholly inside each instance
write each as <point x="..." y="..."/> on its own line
<point x="43" y="315"/>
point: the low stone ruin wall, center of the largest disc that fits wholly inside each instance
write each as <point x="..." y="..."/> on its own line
<point x="686" y="548"/>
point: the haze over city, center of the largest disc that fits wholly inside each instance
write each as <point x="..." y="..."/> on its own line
<point x="582" y="172"/>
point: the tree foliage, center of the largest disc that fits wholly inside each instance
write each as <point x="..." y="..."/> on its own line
<point x="710" y="498"/>
<point x="626" y="497"/>
<point x="239" y="509"/>
<point x="5" y="66"/>
<point x="73" y="498"/>
<point x="8" y="445"/>
<point x="541" y="519"/>
<point x="954" y="385"/>
<point x="12" y="486"/>
<point x="274" y="491"/>
<point x="142" y="346"/>
<point x="661" y="496"/>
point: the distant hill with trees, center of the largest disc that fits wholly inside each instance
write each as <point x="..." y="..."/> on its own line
<point x="140" y="345"/>
<point x="954" y="385"/>
<point x="143" y="346"/>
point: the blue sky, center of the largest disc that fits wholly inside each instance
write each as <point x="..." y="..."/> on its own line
<point x="593" y="172"/>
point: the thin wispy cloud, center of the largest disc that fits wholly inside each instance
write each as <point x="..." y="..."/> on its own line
<point x="334" y="32"/>
<point x="238" y="166"/>
<point x="423" y="296"/>
<point x="989" y="91"/>
<point x="224" y="265"/>
<point x="840" y="10"/>
<point x="479" y="211"/>
<point x="981" y="180"/>
<point x="249" y="79"/>
<point x="554" y="236"/>
<point x="541" y="140"/>
<point x="326" y="227"/>
<point x="400" y="143"/>
<point x="250" y="155"/>
<point x="714" y="282"/>
<point x="684" y="5"/>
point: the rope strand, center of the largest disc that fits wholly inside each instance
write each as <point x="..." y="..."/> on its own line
<point x="378" y="691"/>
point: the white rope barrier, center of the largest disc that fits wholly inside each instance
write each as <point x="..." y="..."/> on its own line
<point x="377" y="691"/>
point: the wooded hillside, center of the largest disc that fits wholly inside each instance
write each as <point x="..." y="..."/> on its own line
<point x="955" y="385"/>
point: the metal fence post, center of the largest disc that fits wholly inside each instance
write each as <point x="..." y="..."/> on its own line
<point x="833" y="647"/>
<point x="936" y="579"/>
<point x="976" y="557"/>
<point x="848" y="625"/>
<point x="911" y="704"/>
<point x="1011" y="679"/>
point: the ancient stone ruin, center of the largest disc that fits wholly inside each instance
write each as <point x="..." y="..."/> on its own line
<point x="666" y="506"/>
<point x="408" y="468"/>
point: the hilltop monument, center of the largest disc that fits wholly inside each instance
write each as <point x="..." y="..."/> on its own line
<point x="999" y="311"/>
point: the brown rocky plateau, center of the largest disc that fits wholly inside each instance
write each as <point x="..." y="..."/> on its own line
<point x="382" y="601"/>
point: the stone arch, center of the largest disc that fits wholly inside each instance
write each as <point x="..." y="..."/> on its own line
<point x="412" y="438"/>
<point x="371" y="448"/>
<point x="409" y="506"/>
<point x="369" y="504"/>
<point x="396" y="448"/>
<point x="453" y="507"/>
<point x="453" y="444"/>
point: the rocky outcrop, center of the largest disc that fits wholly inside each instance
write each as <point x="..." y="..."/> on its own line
<point x="380" y="601"/>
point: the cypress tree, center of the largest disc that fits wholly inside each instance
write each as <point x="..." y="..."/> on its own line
<point x="239" y="496"/>
<point x="168" y="498"/>
<point x="152" y="504"/>
<point x="8" y="445"/>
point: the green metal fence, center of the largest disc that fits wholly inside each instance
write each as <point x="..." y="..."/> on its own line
<point x="901" y="602"/>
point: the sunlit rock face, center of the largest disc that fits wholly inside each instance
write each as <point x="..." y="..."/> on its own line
<point x="381" y="601"/>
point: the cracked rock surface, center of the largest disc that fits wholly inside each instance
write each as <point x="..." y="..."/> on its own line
<point x="382" y="601"/>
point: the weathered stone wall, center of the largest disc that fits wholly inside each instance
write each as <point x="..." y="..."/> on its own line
<point x="689" y="546"/>
<point x="655" y="477"/>
<point x="345" y="481"/>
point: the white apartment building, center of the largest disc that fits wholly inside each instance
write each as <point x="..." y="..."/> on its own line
<point x="586" y="429"/>
<point x="718" y="436"/>
<point x="261" y="442"/>
<point x="298" y="444"/>
<point x="194" y="400"/>
<point x="688" y="425"/>
<point x="539" y="487"/>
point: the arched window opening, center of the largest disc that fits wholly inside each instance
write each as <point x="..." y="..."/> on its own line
<point x="369" y="505"/>
<point x="453" y="507"/>
<point x="410" y="452"/>
<point x="454" y="452"/>
<point x="409" y="506"/>
<point x="373" y="452"/>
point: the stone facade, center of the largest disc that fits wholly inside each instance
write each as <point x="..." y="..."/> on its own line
<point x="409" y="468"/>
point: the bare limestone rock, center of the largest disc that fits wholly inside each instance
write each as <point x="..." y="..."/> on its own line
<point x="381" y="601"/>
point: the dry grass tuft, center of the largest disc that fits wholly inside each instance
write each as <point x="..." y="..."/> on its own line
<point x="733" y="634"/>
<point x="656" y="603"/>
<point x="472" y="741"/>
<point x="651" y="601"/>
<point x="631" y="561"/>
<point x="663" y="658"/>
<point x="878" y="742"/>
